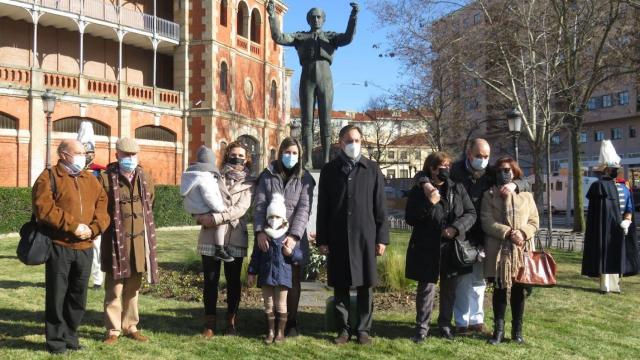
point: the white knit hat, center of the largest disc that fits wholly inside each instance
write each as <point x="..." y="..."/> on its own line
<point x="277" y="207"/>
<point x="86" y="136"/>
<point x="608" y="156"/>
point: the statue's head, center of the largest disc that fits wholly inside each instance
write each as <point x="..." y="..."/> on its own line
<point x="315" y="18"/>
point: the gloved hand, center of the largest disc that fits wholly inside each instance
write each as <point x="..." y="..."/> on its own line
<point x="625" y="226"/>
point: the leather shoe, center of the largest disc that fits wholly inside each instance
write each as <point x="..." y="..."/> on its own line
<point x="138" y="337"/>
<point x="364" y="339"/>
<point x="480" y="329"/>
<point x="110" y="340"/>
<point x="341" y="339"/>
<point x="463" y="331"/>
<point x="445" y="332"/>
<point x="419" y="338"/>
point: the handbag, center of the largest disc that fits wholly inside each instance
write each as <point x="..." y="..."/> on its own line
<point x="34" y="246"/>
<point x="464" y="253"/>
<point x="538" y="268"/>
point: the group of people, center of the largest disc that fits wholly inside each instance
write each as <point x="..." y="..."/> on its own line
<point x="488" y="208"/>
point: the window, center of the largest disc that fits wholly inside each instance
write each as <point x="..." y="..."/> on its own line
<point x="594" y="103"/>
<point x="477" y="18"/>
<point x="632" y="132"/>
<point x="555" y="139"/>
<point x="223" y="13"/>
<point x="465" y="23"/>
<point x="404" y="174"/>
<point x="391" y="174"/>
<point x="551" y="186"/>
<point x="274" y="94"/>
<point x="403" y="155"/>
<point x="391" y="155"/>
<point x="256" y="26"/>
<point x="558" y="185"/>
<point x="156" y="133"/>
<point x="638" y="102"/>
<point x="583" y="137"/>
<point x="417" y="155"/>
<point x="607" y="101"/>
<point x="224" y="75"/>
<point x="598" y="136"/>
<point x="616" y="133"/>
<point x="72" y="125"/>
<point x="9" y="122"/>
<point x="623" y="98"/>
<point x="242" y="21"/>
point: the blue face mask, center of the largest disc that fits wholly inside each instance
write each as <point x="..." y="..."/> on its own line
<point x="289" y="161"/>
<point x="128" y="164"/>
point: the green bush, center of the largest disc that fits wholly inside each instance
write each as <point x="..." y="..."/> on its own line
<point x="391" y="272"/>
<point x="15" y="207"/>
<point x="168" y="209"/>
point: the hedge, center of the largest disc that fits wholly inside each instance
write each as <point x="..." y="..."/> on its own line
<point x="15" y="207"/>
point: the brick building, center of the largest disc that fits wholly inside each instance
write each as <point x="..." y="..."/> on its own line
<point x="174" y="74"/>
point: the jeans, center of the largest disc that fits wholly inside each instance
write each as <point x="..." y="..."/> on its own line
<point x="468" y="307"/>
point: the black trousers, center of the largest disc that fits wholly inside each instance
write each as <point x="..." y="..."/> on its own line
<point x="293" y="295"/>
<point x="518" y="294"/>
<point x="425" y="295"/>
<point x="66" y="281"/>
<point x="364" y="305"/>
<point x="211" y="270"/>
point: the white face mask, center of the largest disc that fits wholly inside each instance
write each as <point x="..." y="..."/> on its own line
<point x="275" y="223"/>
<point x="479" y="163"/>
<point x="352" y="150"/>
<point x="78" y="163"/>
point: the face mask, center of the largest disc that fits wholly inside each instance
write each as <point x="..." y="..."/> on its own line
<point x="128" y="164"/>
<point x="352" y="150"/>
<point x="77" y="163"/>
<point x="479" y="164"/>
<point x="504" y="177"/>
<point x="443" y="174"/>
<point x="275" y="223"/>
<point x="289" y="161"/>
<point x="236" y="161"/>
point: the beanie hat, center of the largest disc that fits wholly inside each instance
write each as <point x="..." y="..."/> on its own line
<point x="277" y="207"/>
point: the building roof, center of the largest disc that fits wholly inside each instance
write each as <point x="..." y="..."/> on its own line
<point x="411" y="140"/>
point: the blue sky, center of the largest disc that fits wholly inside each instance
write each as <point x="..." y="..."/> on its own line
<point x="355" y="63"/>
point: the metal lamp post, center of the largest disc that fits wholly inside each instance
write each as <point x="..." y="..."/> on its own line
<point x="48" y="105"/>
<point x="514" y="118"/>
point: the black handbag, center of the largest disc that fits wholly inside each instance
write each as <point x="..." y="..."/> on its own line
<point x="464" y="253"/>
<point x="34" y="246"/>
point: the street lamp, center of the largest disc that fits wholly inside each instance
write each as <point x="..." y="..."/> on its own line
<point x="514" y="118"/>
<point x="48" y="105"/>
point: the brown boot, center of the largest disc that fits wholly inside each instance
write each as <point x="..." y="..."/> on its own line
<point x="209" y="326"/>
<point x="231" y="325"/>
<point x="271" y="328"/>
<point x="282" y="323"/>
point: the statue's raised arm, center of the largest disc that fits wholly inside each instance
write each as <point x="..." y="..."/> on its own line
<point x="277" y="36"/>
<point x="346" y="38"/>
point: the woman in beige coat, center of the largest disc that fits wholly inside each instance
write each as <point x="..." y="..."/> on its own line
<point x="236" y="187"/>
<point x="510" y="222"/>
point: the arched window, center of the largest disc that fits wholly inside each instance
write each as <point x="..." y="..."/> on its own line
<point x="274" y="94"/>
<point x="224" y="76"/>
<point x="8" y="122"/>
<point x="256" y="26"/>
<point x="254" y="152"/>
<point x="72" y="125"/>
<point x="223" y="12"/>
<point x="156" y="133"/>
<point x="242" y="20"/>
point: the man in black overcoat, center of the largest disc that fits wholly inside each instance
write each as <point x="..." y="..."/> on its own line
<point x="610" y="247"/>
<point x="352" y="230"/>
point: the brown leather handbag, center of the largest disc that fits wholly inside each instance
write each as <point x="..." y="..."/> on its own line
<point x="538" y="269"/>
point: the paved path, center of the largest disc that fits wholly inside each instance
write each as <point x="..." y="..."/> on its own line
<point x="314" y="294"/>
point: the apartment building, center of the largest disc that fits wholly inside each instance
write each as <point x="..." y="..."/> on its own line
<point x="174" y="74"/>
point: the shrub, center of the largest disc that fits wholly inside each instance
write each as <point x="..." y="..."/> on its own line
<point x="15" y="207"/>
<point x="391" y="273"/>
<point x="168" y="209"/>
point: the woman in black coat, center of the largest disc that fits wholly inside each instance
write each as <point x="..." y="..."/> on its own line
<point x="439" y="211"/>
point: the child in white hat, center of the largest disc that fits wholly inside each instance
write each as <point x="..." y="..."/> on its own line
<point x="273" y="268"/>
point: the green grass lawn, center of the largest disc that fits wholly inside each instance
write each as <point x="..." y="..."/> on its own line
<point x="570" y="321"/>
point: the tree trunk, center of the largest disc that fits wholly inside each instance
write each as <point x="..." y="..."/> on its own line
<point x="578" y="197"/>
<point x="538" y="187"/>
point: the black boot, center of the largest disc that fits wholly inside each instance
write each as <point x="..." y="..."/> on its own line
<point x="517" y="313"/>
<point x="516" y="332"/>
<point x="498" y="332"/>
<point x="221" y="254"/>
<point x="271" y="328"/>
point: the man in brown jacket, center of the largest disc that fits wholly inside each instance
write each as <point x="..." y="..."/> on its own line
<point x="73" y="217"/>
<point x="128" y="247"/>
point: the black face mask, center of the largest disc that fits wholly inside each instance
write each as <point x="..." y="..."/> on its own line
<point x="443" y="174"/>
<point x="503" y="178"/>
<point x="236" y="161"/>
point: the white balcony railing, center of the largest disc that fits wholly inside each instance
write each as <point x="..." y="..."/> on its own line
<point x="103" y="10"/>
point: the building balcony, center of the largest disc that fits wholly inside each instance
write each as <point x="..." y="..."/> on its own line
<point x="84" y="86"/>
<point x="64" y="13"/>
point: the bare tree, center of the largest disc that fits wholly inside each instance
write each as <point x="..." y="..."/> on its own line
<point x="384" y="126"/>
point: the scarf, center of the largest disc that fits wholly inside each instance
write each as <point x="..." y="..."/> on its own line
<point x="348" y="164"/>
<point x="120" y="262"/>
<point x="235" y="172"/>
<point x="509" y="260"/>
<point x="277" y="233"/>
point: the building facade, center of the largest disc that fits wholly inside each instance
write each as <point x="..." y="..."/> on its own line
<point x="173" y="74"/>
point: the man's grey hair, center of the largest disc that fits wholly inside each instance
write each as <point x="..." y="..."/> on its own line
<point x="65" y="145"/>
